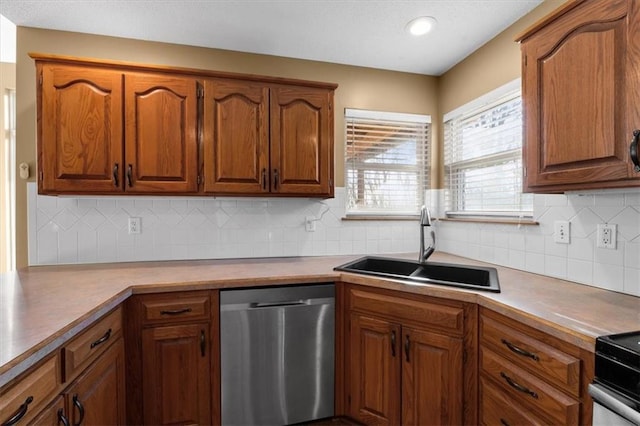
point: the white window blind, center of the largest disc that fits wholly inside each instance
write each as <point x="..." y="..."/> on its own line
<point x="386" y="162"/>
<point x="483" y="159"/>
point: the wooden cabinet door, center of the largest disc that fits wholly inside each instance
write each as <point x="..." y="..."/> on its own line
<point x="580" y="92"/>
<point x="161" y="133"/>
<point x="176" y="378"/>
<point x="374" y="371"/>
<point x="80" y="130"/>
<point x="432" y="385"/>
<point x="97" y="396"/>
<point x="236" y="137"/>
<point x="301" y="141"/>
<point x="53" y="415"/>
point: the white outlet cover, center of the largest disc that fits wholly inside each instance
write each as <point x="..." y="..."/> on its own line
<point x="606" y="235"/>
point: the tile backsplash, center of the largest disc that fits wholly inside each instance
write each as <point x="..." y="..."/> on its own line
<point x="67" y="230"/>
<point x="532" y="248"/>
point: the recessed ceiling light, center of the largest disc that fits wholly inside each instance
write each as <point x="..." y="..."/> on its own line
<point x="421" y="25"/>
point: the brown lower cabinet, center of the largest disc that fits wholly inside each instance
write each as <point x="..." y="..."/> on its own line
<point x="172" y="358"/>
<point x="408" y="359"/>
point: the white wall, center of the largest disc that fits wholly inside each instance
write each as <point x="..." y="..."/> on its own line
<point x="531" y="248"/>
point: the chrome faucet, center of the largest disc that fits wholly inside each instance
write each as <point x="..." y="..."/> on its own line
<point x="425" y="220"/>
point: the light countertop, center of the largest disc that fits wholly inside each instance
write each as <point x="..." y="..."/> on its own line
<point x="42" y="307"/>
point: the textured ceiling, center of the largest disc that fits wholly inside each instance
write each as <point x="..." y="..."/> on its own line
<point x="354" y="32"/>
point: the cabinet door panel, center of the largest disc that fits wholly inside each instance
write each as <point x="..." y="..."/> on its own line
<point x="97" y="397"/>
<point x="176" y="374"/>
<point x="579" y="79"/>
<point x="236" y="137"/>
<point x="374" y="371"/>
<point x="301" y="135"/>
<point x="161" y="133"/>
<point x="431" y="378"/>
<point x="80" y="120"/>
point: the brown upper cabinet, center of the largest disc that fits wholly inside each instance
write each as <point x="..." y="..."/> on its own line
<point x="267" y="139"/>
<point x="121" y="128"/>
<point x="109" y="131"/>
<point x="581" y="80"/>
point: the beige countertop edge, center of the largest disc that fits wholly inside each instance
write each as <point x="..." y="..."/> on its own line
<point x="580" y="334"/>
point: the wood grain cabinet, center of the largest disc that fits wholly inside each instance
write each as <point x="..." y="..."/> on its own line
<point x="580" y="96"/>
<point x="409" y="359"/>
<point x="267" y="139"/>
<point x="529" y="377"/>
<point x="88" y="388"/>
<point x="171" y="358"/>
<point x="108" y="130"/>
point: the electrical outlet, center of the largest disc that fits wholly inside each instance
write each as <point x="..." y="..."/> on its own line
<point x="606" y="235"/>
<point x="134" y="225"/>
<point x="561" y="232"/>
<point x="310" y="224"/>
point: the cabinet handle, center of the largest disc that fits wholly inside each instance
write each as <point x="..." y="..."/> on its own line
<point x="393" y="343"/>
<point x="503" y="422"/>
<point x="78" y="404"/>
<point x="116" y="183"/>
<point x="406" y="347"/>
<point x="633" y="150"/>
<point x="22" y="410"/>
<point x="518" y="386"/>
<point x="264" y="179"/>
<point x="130" y="175"/>
<point x="275" y="179"/>
<point x="175" y="311"/>
<point x="62" y="418"/>
<point x="102" y="339"/>
<point x="519" y="351"/>
<point x="202" y="343"/>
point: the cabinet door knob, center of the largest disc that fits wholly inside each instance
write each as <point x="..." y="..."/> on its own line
<point x="407" y="347"/>
<point x="116" y="182"/>
<point x="393" y="343"/>
<point x="275" y="179"/>
<point x="22" y="410"/>
<point x="62" y="418"/>
<point x="130" y="176"/>
<point x="633" y="150"/>
<point x="264" y="179"/>
<point x="202" y="343"/>
<point x="80" y="407"/>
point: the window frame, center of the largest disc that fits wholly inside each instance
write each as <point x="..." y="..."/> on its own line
<point x="422" y="168"/>
<point x="476" y="107"/>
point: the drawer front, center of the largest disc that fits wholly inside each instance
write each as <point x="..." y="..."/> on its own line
<point x="172" y="308"/>
<point x="528" y="390"/>
<point x="31" y="393"/>
<point x="540" y="359"/>
<point x="496" y="408"/>
<point x="435" y="315"/>
<point x="89" y="344"/>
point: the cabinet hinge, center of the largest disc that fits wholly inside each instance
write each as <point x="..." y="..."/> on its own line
<point x="526" y="60"/>
<point x="200" y="93"/>
<point x="524" y="171"/>
<point x="41" y="175"/>
<point x="198" y="180"/>
<point x="40" y="79"/>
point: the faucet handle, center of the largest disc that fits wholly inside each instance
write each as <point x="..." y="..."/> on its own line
<point x="425" y="217"/>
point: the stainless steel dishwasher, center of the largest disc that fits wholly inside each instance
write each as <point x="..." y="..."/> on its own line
<point x="277" y="354"/>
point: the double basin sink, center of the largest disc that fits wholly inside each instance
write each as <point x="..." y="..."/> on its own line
<point x="412" y="272"/>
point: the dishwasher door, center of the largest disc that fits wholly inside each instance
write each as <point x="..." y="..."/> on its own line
<point x="277" y="354"/>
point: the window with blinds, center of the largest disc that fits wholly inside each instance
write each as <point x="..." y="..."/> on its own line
<point x="483" y="157"/>
<point x="386" y="162"/>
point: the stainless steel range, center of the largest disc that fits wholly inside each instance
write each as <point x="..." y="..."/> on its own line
<point x="616" y="386"/>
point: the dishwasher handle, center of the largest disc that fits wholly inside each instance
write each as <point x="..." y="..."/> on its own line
<point x="257" y="305"/>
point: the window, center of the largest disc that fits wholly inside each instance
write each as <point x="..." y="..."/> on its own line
<point x="386" y="162"/>
<point x="483" y="157"/>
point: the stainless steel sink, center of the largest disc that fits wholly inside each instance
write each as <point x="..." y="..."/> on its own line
<point x="449" y="274"/>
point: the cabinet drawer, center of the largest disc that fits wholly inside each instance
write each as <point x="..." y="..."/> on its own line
<point x="32" y="392"/>
<point x="435" y="315"/>
<point x="496" y="408"/>
<point x="540" y="359"/>
<point x="172" y="308"/>
<point x="91" y="343"/>
<point x="528" y="390"/>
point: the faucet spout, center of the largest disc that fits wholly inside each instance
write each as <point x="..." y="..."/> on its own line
<point x="425" y="220"/>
